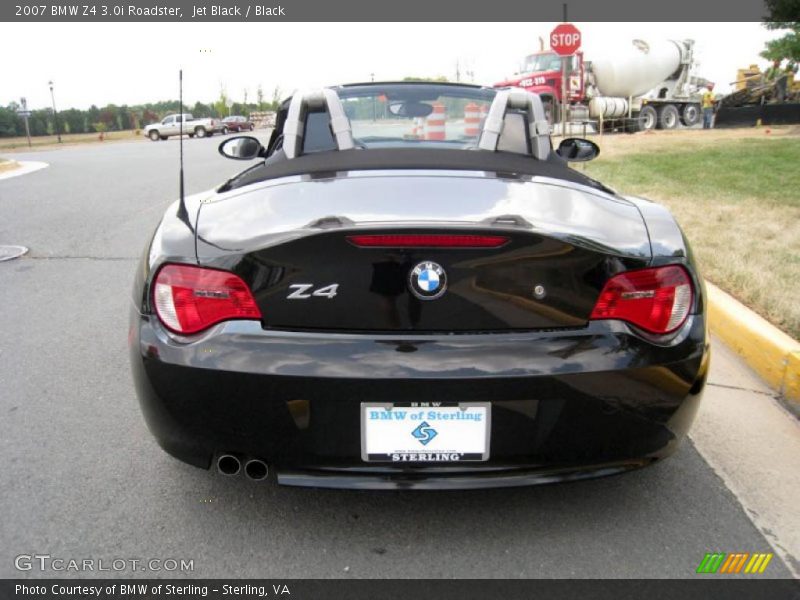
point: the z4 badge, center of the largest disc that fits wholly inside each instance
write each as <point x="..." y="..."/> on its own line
<point x="304" y="291"/>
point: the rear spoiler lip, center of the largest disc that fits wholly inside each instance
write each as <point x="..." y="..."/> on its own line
<point x="404" y="160"/>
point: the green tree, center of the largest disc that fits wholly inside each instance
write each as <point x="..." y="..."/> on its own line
<point x="136" y="118"/>
<point x="108" y="117"/>
<point x="783" y="15"/>
<point x="276" y="98"/>
<point x="124" y="118"/>
<point x="10" y="123"/>
<point x="202" y="111"/>
<point x="786" y="47"/>
<point x="149" y="116"/>
<point x="260" y="97"/>
<point x="782" y="10"/>
<point x="74" y="120"/>
<point x="92" y="117"/>
<point x="221" y="105"/>
<point x="38" y="121"/>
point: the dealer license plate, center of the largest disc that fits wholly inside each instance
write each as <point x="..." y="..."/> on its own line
<point x="422" y="433"/>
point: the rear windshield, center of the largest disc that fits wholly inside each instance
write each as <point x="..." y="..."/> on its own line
<point x="403" y="115"/>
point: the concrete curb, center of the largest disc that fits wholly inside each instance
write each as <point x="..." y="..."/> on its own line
<point x="770" y="352"/>
<point x="25" y="167"/>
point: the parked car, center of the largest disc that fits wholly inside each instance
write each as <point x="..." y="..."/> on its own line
<point x="237" y="124"/>
<point x="394" y="296"/>
<point x="171" y="125"/>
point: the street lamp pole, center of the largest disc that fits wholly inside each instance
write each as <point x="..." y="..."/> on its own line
<point x="55" y="112"/>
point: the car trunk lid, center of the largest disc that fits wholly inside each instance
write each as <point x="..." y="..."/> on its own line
<point x="307" y="248"/>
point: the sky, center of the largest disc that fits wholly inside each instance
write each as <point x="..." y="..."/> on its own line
<point x="133" y="63"/>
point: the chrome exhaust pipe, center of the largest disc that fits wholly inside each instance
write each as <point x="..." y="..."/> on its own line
<point x="256" y="469"/>
<point x="229" y="464"/>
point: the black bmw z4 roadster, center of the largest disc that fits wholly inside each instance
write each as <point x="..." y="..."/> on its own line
<point x="410" y="288"/>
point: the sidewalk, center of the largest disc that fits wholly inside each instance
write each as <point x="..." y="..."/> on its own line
<point x="753" y="443"/>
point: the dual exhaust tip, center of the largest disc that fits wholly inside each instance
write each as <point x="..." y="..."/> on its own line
<point x="231" y="465"/>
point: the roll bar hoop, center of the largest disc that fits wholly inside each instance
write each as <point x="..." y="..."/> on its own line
<point x="301" y="104"/>
<point x="538" y="126"/>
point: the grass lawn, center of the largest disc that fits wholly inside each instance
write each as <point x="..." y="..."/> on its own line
<point x="736" y="193"/>
<point x="21" y="143"/>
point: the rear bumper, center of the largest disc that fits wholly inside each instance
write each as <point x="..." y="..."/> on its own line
<point x="471" y="478"/>
<point x="564" y="404"/>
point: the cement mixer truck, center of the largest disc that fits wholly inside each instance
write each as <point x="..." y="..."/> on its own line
<point x="642" y="86"/>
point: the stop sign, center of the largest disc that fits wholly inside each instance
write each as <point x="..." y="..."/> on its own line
<point x="565" y="39"/>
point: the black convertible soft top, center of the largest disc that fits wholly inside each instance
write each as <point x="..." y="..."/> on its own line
<point x="323" y="163"/>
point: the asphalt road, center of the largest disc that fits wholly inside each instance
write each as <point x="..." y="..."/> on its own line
<point x="83" y="478"/>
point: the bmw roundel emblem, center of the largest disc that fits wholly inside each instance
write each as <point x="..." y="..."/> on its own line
<point x="428" y="280"/>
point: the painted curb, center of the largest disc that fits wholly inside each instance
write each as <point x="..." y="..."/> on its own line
<point x="768" y="350"/>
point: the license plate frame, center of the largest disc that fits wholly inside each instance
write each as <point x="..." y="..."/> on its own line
<point x="461" y="439"/>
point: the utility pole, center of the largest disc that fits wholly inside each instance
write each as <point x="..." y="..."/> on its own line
<point x="24" y="113"/>
<point x="55" y="112"/>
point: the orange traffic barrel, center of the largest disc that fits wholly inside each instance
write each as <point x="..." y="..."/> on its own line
<point x="434" y="127"/>
<point x="472" y="120"/>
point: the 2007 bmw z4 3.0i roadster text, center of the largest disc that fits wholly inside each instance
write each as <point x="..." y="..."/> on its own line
<point x="411" y="289"/>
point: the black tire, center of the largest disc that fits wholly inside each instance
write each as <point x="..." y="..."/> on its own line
<point x="224" y="131"/>
<point x="648" y="118"/>
<point x="153" y="135"/>
<point x="691" y="115"/>
<point x="201" y="132"/>
<point x="668" y="117"/>
<point x="632" y="125"/>
<point x="191" y="135"/>
<point x="163" y="138"/>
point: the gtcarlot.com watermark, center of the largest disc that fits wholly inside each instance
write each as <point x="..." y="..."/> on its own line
<point x="48" y="563"/>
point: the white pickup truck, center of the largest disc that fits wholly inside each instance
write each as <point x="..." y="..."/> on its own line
<point x="171" y="125"/>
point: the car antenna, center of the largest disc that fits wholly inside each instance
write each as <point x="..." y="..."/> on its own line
<point x="180" y="100"/>
<point x="183" y="215"/>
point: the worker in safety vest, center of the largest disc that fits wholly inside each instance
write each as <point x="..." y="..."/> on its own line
<point x="774" y="71"/>
<point x="778" y="76"/>
<point x="791" y="76"/>
<point x="708" y="106"/>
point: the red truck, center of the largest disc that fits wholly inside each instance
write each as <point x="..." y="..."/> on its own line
<point x="642" y="87"/>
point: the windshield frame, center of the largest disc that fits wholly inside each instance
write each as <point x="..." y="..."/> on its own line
<point x="384" y="94"/>
<point x="552" y="57"/>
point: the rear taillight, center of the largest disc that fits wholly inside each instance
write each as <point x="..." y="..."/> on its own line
<point x="190" y="299"/>
<point x="427" y="240"/>
<point x="658" y="300"/>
